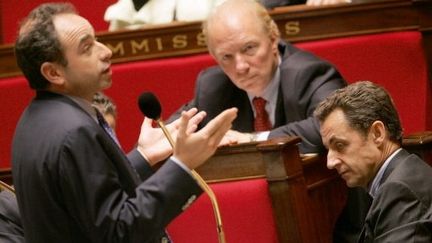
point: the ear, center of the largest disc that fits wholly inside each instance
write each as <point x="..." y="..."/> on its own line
<point x="52" y="72"/>
<point x="378" y="132"/>
<point x="274" y="43"/>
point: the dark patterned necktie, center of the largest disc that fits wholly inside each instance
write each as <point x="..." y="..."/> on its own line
<point x="106" y="127"/>
<point x="262" y="121"/>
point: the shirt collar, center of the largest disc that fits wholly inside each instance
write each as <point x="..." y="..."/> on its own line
<point x="271" y="91"/>
<point x="85" y="105"/>
<point x="376" y="182"/>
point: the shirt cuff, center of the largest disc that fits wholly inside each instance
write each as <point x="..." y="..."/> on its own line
<point x="262" y="136"/>
<point x="182" y="165"/>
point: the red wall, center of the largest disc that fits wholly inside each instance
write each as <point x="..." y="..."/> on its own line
<point x="1" y="23"/>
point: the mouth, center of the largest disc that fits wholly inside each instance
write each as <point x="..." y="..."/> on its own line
<point x="107" y="70"/>
<point x="344" y="174"/>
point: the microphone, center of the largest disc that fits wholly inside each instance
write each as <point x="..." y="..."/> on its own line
<point x="150" y="106"/>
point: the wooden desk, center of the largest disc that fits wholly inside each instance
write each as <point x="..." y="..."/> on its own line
<point x="297" y="23"/>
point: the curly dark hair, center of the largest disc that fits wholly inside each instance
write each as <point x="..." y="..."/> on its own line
<point x="362" y="104"/>
<point x="37" y="42"/>
<point x="104" y="104"/>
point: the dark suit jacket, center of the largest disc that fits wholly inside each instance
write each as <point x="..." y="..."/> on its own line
<point x="74" y="184"/>
<point x="279" y="3"/>
<point x="305" y="81"/>
<point x="402" y="208"/>
<point x="11" y="230"/>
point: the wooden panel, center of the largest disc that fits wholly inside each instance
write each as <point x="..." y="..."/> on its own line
<point x="297" y="23"/>
<point x="420" y="144"/>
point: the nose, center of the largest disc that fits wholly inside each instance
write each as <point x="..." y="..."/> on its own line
<point x="332" y="160"/>
<point x="105" y="53"/>
<point x="241" y="64"/>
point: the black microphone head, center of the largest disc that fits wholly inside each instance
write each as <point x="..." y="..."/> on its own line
<point x="149" y="105"/>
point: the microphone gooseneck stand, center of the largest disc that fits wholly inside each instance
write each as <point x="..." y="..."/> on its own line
<point x="206" y="188"/>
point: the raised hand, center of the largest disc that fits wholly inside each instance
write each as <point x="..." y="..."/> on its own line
<point x="153" y="144"/>
<point x="193" y="149"/>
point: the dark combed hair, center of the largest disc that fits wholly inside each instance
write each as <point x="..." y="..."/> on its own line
<point x="362" y="104"/>
<point x="104" y="104"/>
<point x="37" y="42"/>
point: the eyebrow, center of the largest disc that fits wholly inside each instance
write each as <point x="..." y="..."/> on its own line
<point x="84" y="38"/>
<point x="333" y="139"/>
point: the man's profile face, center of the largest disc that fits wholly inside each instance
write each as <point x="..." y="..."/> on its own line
<point x="89" y="67"/>
<point x="247" y="54"/>
<point x="354" y="156"/>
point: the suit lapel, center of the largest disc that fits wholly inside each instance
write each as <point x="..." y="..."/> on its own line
<point x="280" y="119"/>
<point x="245" y="118"/>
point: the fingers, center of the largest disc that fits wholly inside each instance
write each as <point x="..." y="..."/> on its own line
<point x="313" y="2"/>
<point x="217" y="127"/>
<point x="147" y="123"/>
<point x="190" y="112"/>
<point x="195" y="120"/>
<point x="183" y="123"/>
<point x="228" y="140"/>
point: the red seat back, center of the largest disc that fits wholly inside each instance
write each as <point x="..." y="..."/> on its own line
<point x="393" y="60"/>
<point x="246" y="212"/>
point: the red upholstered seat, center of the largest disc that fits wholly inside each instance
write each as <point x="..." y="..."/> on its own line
<point x="394" y="60"/>
<point x="15" y="95"/>
<point x="245" y="209"/>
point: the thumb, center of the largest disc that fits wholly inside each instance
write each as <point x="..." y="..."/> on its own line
<point x="147" y="123"/>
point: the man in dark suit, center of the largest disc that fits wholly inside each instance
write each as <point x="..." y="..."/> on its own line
<point x="11" y="230"/>
<point x="254" y="62"/>
<point x="362" y="131"/>
<point x="73" y="181"/>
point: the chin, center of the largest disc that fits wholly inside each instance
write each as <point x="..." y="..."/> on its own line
<point x="351" y="183"/>
<point x="106" y="84"/>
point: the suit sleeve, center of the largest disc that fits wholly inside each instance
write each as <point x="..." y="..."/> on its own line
<point x="399" y="215"/>
<point x="310" y="81"/>
<point x="141" y="166"/>
<point x="94" y="193"/>
<point x="11" y="229"/>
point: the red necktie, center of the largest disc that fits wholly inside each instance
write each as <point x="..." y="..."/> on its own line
<point x="262" y="121"/>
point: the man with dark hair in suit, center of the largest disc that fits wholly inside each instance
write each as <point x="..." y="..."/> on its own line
<point x="106" y="107"/>
<point x="361" y="129"/>
<point x="253" y="62"/>
<point x="73" y="182"/>
<point x="11" y="230"/>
